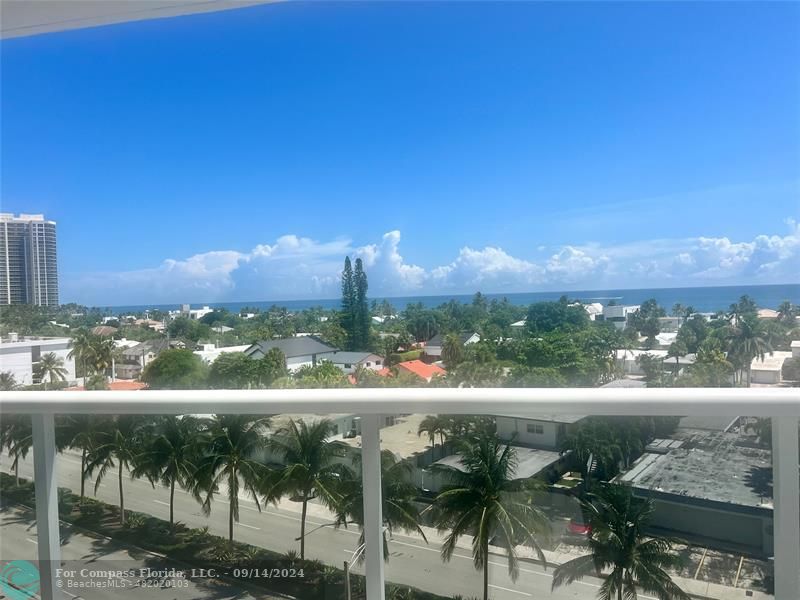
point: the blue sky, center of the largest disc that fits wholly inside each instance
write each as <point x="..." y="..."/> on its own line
<point x="495" y="146"/>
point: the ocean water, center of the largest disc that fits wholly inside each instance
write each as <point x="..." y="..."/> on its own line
<point x="703" y="299"/>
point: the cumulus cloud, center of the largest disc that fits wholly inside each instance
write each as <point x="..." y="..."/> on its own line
<point x="300" y="267"/>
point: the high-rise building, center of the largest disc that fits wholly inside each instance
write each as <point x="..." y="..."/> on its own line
<point x="28" y="266"/>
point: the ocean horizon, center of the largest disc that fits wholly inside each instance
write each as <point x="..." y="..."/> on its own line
<point x="703" y="299"/>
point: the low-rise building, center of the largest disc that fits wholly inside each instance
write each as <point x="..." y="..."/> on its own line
<point x="20" y="356"/>
<point x="767" y="370"/>
<point x="628" y="361"/>
<point x="136" y="358"/>
<point x="708" y="486"/>
<point x="208" y="353"/>
<point x="536" y="431"/>
<point x="619" y="314"/>
<point x="299" y="351"/>
<point x="433" y="347"/>
<point x="421" y="369"/>
<point x="350" y="361"/>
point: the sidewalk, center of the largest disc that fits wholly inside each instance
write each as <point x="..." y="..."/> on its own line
<point x="700" y="589"/>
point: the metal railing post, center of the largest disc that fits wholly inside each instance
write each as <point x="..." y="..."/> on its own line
<point x="46" y="486"/>
<point x="373" y="512"/>
<point x="786" y="517"/>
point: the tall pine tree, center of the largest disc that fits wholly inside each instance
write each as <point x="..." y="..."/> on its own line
<point x="361" y="312"/>
<point x="348" y="303"/>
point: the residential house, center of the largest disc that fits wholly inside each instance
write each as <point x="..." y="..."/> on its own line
<point x="208" y="353"/>
<point x="299" y="351"/>
<point x="619" y="314"/>
<point x="546" y="432"/>
<point x="136" y="358"/>
<point x="433" y="347"/>
<point x="767" y="371"/>
<point x="421" y="369"/>
<point x="350" y="361"/>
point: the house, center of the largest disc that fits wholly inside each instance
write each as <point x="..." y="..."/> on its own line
<point x="767" y="371"/>
<point x="421" y="369"/>
<point x="208" y="353"/>
<point x="670" y="324"/>
<point x="546" y="432"/>
<point x="104" y="330"/>
<point x="350" y="361"/>
<point x="20" y="356"/>
<point x="593" y="309"/>
<point x="433" y="347"/>
<point x="767" y="313"/>
<point x="136" y="358"/>
<point x="619" y="314"/>
<point x="221" y="328"/>
<point x="151" y="323"/>
<point x="299" y="351"/>
<point x="519" y="325"/>
<point x="191" y="313"/>
<point x="628" y="361"/>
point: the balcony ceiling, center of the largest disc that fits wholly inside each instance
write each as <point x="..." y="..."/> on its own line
<point x="19" y="18"/>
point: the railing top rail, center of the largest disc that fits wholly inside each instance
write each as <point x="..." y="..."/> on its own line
<point x="590" y="401"/>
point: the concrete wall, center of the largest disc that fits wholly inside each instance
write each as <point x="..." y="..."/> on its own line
<point x="708" y="525"/>
<point x="770" y="376"/>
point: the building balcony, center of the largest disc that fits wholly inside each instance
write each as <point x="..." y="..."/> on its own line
<point x="702" y="485"/>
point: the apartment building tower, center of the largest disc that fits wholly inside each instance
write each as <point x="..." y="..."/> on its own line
<point x="28" y="265"/>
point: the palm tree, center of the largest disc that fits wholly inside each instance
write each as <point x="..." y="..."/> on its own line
<point x="676" y="350"/>
<point x="593" y="443"/>
<point x="397" y="493"/>
<point x="118" y="446"/>
<point x="310" y="467"/>
<point x="618" y="544"/>
<point x="748" y="342"/>
<point x="489" y="504"/>
<point x="102" y="354"/>
<point x="50" y="368"/>
<point x="452" y="351"/>
<point x="16" y="435"/>
<point x="82" y="432"/>
<point x="8" y="382"/>
<point x="434" y="425"/>
<point x="170" y="456"/>
<point x="82" y="349"/>
<point x="229" y="456"/>
<point x="787" y="312"/>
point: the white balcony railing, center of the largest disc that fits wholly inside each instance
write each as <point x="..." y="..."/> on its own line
<point x="783" y="405"/>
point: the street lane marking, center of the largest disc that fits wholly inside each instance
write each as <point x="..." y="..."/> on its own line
<point x="32" y="541"/>
<point x="249" y="526"/>
<point x="161" y="502"/>
<point x="505" y="589"/>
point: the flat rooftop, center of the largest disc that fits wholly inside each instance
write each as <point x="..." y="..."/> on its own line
<point x="546" y="418"/>
<point x="401" y="438"/>
<point x="530" y="461"/>
<point x="709" y="466"/>
<point x="771" y="362"/>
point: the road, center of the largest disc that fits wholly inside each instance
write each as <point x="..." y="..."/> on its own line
<point x="412" y="562"/>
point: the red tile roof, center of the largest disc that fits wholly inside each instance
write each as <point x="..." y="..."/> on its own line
<point x="116" y="386"/>
<point x="421" y="369"/>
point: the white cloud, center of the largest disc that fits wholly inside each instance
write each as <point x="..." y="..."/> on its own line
<point x="300" y="267"/>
